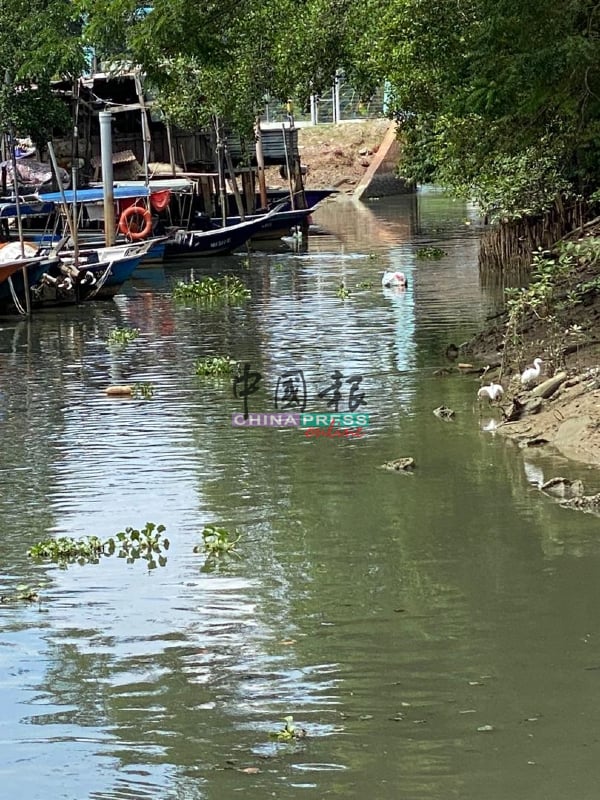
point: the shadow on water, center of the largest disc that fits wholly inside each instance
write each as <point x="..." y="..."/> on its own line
<point x="433" y="632"/>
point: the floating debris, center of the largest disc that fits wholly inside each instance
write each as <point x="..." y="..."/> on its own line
<point x="589" y="503"/>
<point x="399" y="465"/>
<point x="563" y="487"/>
<point x="289" y="731"/>
<point x="119" y="391"/>
<point x="445" y="413"/>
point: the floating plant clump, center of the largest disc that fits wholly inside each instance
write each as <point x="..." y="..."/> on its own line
<point x="289" y="732"/>
<point x="226" y="289"/>
<point x="215" y="366"/>
<point x="143" y="390"/>
<point x="66" y="550"/>
<point x="131" y="544"/>
<point x="432" y="253"/>
<point x="122" y="336"/>
<point x="217" y="541"/>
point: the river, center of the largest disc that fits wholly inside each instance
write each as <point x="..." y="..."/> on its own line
<point x="435" y="634"/>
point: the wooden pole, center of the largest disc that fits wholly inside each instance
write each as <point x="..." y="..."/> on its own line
<point x="220" y="171"/>
<point x="260" y="163"/>
<point x="171" y="152"/>
<point x="288" y="168"/>
<point x="65" y="205"/>
<point x="234" y="184"/>
<point x="19" y="220"/>
<point x="145" y="127"/>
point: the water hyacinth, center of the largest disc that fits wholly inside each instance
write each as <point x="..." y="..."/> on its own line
<point x="226" y="289"/>
<point x="215" y="366"/>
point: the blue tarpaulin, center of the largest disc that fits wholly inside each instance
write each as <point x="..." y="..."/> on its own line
<point x="26" y="209"/>
<point x="96" y="195"/>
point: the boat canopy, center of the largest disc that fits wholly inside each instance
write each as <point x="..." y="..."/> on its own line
<point x="96" y="195"/>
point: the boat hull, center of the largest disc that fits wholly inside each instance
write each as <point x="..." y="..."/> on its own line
<point x="276" y="226"/>
<point x="100" y="280"/>
<point x="34" y="271"/>
<point x="215" y="241"/>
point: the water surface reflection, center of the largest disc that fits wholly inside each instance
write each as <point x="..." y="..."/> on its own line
<point x="396" y="617"/>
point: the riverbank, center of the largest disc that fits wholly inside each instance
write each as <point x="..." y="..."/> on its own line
<point x="335" y="156"/>
<point x="557" y="319"/>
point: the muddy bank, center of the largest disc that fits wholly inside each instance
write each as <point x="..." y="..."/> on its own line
<point x="555" y="319"/>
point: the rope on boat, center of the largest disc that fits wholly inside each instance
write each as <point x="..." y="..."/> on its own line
<point x="18" y="305"/>
<point x="102" y="280"/>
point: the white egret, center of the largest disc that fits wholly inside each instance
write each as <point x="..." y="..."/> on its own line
<point x="394" y="279"/>
<point x="531" y="374"/>
<point x="492" y="392"/>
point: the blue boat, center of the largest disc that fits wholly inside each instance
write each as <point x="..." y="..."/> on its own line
<point x="64" y="283"/>
<point x="217" y="240"/>
<point x="89" y="239"/>
<point x="275" y="226"/>
<point x="12" y="285"/>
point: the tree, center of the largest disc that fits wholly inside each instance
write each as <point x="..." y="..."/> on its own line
<point x="39" y="40"/>
<point x="222" y="58"/>
<point x="498" y="99"/>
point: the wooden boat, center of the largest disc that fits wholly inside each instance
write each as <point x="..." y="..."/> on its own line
<point x="217" y="240"/>
<point x="276" y="226"/>
<point x="312" y="196"/>
<point x="12" y="283"/>
<point x="92" y="199"/>
<point x="63" y="283"/>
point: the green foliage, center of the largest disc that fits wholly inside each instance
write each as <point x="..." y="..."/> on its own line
<point x="289" y="732"/>
<point x="498" y="100"/>
<point x="365" y="285"/>
<point x="217" y="541"/>
<point x="342" y="292"/>
<point x="145" y="391"/>
<point x="39" y="40"/>
<point x="130" y="544"/>
<point x="431" y="253"/>
<point x="215" y="366"/>
<point x="546" y="297"/>
<point x="212" y="290"/>
<point x="146" y="544"/>
<point x="122" y="336"/>
<point x="221" y="58"/>
<point x="66" y="550"/>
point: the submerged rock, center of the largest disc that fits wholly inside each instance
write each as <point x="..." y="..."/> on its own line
<point x="563" y="487"/>
<point x="399" y="465"/>
<point x="445" y="413"/>
<point x="589" y="503"/>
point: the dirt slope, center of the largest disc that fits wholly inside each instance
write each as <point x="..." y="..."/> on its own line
<point x="335" y="155"/>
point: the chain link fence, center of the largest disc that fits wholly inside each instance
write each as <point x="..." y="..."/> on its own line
<point x="341" y="104"/>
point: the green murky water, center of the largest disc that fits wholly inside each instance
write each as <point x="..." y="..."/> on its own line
<point x="436" y="634"/>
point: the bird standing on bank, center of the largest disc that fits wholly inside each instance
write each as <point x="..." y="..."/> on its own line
<point x="492" y="392"/>
<point x="531" y="374"/>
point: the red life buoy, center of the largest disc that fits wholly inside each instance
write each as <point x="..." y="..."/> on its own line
<point x="134" y="229"/>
